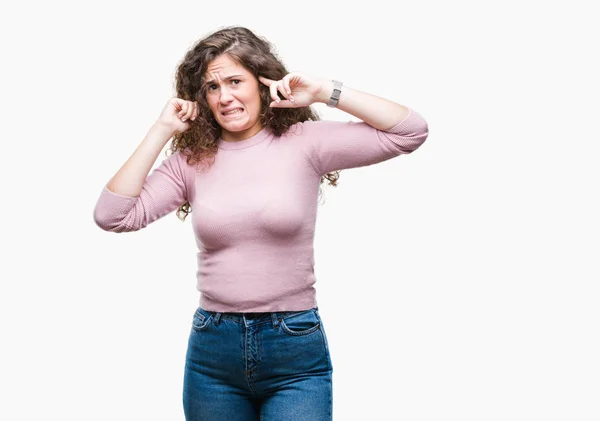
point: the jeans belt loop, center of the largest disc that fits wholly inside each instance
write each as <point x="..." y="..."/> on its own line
<point x="276" y="318"/>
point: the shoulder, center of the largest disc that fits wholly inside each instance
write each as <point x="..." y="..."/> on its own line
<point x="177" y="165"/>
<point x="180" y="158"/>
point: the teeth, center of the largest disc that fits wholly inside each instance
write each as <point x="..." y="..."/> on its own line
<point x="239" y="110"/>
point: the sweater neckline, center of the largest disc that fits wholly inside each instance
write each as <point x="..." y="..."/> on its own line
<point x="246" y="143"/>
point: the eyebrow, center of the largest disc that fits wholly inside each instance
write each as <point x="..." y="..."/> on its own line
<point x="210" y="82"/>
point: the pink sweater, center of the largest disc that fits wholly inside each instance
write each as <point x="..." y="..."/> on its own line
<point x="254" y="211"/>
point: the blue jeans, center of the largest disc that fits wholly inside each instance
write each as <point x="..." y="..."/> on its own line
<point x="257" y="367"/>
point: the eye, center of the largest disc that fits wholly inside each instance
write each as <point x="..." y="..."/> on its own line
<point x="210" y="87"/>
<point x="236" y="80"/>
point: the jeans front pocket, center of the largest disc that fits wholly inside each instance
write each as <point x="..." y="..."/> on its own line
<point x="325" y="341"/>
<point x="201" y="319"/>
<point x="301" y="323"/>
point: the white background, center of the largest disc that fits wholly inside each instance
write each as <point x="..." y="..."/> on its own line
<point x="459" y="282"/>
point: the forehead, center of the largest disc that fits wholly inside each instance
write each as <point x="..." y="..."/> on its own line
<point x="223" y="66"/>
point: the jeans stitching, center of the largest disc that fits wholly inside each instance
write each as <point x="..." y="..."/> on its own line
<point x="203" y="323"/>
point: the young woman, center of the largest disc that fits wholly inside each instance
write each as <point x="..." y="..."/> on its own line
<point x="249" y="155"/>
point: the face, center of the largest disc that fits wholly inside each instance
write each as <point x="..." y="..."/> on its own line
<point x="230" y="87"/>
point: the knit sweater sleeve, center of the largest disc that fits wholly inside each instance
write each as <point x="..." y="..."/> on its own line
<point x="164" y="190"/>
<point x="334" y="145"/>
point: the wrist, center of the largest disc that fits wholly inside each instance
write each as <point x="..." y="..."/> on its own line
<point x="162" y="131"/>
<point x="325" y="92"/>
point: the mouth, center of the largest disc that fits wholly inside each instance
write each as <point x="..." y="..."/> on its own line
<point x="233" y="113"/>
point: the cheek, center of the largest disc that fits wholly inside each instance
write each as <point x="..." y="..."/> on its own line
<point x="212" y="104"/>
<point x="255" y="99"/>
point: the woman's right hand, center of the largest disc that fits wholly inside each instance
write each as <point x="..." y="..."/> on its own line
<point x="178" y="114"/>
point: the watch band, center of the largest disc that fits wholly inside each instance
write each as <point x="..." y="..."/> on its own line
<point x="335" y="95"/>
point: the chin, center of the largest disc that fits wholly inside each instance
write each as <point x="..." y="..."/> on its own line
<point x="235" y="127"/>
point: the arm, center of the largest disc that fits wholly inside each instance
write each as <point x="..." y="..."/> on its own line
<point x="388" y="129"/>
<point x="132" y="199"/>
<point x="302" y="90"/>
<point x="128" y="181"/>
<point x="373" y="110"/>
<point x="335" y="145"/>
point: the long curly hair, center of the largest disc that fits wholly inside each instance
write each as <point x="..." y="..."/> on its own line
<point x="200" y="142"/>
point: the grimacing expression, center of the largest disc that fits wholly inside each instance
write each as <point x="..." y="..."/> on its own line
<point x="233" y="95"/>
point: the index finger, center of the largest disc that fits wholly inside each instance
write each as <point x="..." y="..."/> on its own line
<point x="266" y="81"/>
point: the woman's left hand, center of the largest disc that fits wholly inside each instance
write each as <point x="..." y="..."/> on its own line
<point x="301" y="90"/>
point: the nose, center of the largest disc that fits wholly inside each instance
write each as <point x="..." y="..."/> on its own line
<point x="226" y="96"/>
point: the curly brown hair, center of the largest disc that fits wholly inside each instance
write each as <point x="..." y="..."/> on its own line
<point x="200" y="142"/>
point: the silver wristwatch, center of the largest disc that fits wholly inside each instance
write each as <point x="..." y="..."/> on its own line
<point x="335" y="95"/>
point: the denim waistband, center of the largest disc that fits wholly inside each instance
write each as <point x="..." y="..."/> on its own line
<point x="257" y="318"/>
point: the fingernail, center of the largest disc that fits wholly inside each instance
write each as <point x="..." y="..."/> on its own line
<point x="278" y="100"/>
<point x="292" y="99"/>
